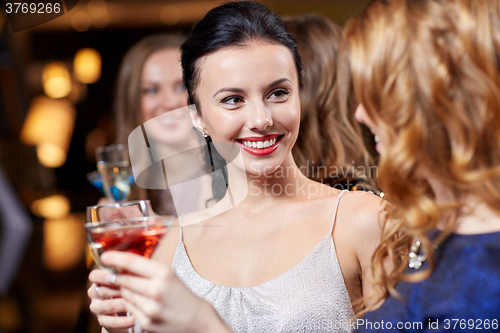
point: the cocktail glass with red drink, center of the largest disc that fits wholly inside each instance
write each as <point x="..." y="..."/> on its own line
<point x="126" y="226"/>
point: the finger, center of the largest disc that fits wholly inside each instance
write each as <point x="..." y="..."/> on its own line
<point x="145" y="322"/>
<point x="150" y="308"/>
<point x="116" y="321"/>
<point x="153" y="288"/>
<point x="101" y="277"/>
<point x="108" y="306"/>
<point x="104" y="292"/>
<point x="91" y="292"/>
<point x="132" y="211"/>
<point x="133" y="263"/>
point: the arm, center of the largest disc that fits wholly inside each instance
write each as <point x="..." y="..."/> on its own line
<point x="369" y="229"/>
<point x="357" y="234"/>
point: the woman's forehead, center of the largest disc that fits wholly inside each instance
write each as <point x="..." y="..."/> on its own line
<point x="254" y="62"/>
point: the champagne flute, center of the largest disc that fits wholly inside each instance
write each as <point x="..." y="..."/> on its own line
<point x="126" y="226"/>
<point x="95" y="179"/>
<point x="114" y="166"/>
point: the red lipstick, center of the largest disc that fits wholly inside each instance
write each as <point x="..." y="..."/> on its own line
<point x="260" y="151"/>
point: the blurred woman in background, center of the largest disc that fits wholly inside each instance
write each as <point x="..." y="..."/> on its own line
<point x="150" y="84"/>
<point x="427" y="76"/>
<point x="330" y="147"/>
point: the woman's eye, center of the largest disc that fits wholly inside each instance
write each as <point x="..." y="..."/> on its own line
<point x="150" y="91"/>
<point x="280" y="94"/>
<point x="180" y="88"/>
<point x="232" y="100"/>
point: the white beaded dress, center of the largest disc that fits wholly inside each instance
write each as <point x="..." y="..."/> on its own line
<point x="310" y="297"/>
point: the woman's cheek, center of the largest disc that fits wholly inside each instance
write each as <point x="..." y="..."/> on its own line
<point x="147" y="108"/>
<point x="224" y="126"/>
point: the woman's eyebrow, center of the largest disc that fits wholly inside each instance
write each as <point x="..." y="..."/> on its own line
<point x="274" y="83"/>
<point x="238" y="90"/>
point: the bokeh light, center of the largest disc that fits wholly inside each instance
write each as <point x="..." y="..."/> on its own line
<point x="49" y="125"/>
<point x="170" y="15"/>
<point x="87" y="65"/>
<point x="52" y="207"/>
<point x="81" y="21"/>
<point x="63" y="242"/>
<point x="56" y="80"/>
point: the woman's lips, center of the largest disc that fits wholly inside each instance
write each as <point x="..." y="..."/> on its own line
<point x="169" y="122"/>
<point x="260" y="146"/>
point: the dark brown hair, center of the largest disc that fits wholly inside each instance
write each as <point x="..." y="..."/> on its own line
<point x="329" y="135"/>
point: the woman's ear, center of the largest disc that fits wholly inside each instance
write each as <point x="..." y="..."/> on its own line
<point x="196" y="119"/>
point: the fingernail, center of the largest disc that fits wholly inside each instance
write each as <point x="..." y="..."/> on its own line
<point x="110" y="279"/>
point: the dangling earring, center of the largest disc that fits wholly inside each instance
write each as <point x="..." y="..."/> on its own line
<point x="208" y="140"/>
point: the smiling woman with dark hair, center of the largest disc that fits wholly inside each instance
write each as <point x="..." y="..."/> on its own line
<point x="290" y="254"/>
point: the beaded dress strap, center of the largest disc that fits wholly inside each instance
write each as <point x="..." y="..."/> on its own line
<point x="180" y="227"/>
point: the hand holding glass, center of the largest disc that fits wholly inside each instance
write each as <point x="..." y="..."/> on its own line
<point x="127" y="226"/>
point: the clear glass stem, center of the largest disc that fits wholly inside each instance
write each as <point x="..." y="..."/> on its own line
<point x="137" y="327"/>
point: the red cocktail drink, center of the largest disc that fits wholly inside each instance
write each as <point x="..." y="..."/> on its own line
<point x="137" y="235"/>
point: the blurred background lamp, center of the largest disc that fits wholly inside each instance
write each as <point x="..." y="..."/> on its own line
<point x="49" y="125"/>
<point x="81" y="21"/>
<point x="48" y="120"/>
<point x="87" y="65"/>
<point x="56" y="80"/>
<point x="50" y="155"/>
<point x="63" y="242"/>
<point x="170" y="14"/>
<point x="52" y="207"/>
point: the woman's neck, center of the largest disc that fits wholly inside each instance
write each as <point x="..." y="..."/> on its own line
<point x="285" y="182"/>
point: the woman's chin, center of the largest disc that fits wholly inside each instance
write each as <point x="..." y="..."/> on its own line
<point x="380" y="148"/>
<point x="259" y="169"/>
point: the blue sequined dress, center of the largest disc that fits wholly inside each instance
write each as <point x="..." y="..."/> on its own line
<point x="461" y="295"/>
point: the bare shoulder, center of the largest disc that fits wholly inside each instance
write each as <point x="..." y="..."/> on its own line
<point x="365" y="211"/>
<point x="166" y="249"/>
<point x="360" y="219"/>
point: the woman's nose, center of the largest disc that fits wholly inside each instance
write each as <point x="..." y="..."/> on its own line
<point x="259" y="117"/>
<point x="168" y="100"/>
<point x="360" y="114"/>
